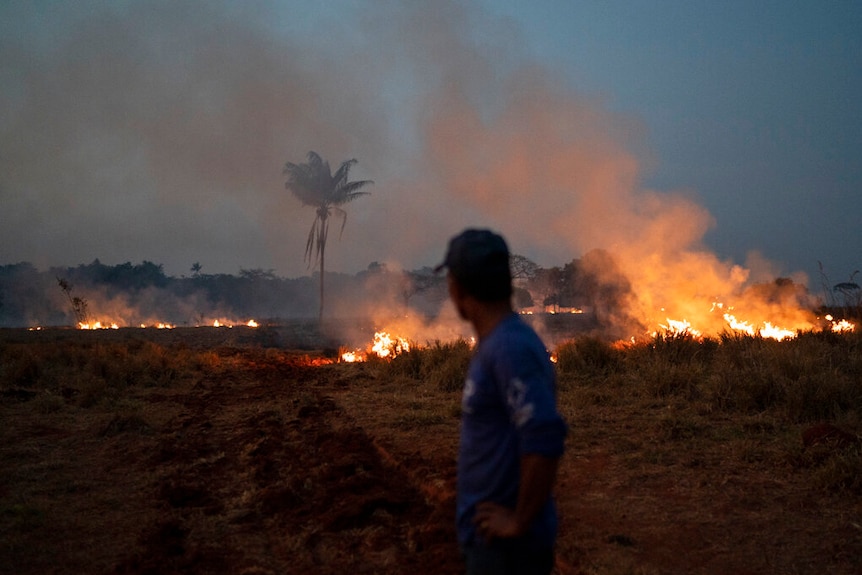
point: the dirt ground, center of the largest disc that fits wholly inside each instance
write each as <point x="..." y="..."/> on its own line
<point x="272" y="464"/>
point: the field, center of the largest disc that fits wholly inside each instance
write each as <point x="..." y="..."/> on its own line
<point x="205" y="450"/>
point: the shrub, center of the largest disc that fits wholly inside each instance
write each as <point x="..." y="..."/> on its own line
<point x="443" y="365"/>
<point x="586" y="357"/>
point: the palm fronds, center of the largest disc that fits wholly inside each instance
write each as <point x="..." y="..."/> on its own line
<point x="314" y="184"/>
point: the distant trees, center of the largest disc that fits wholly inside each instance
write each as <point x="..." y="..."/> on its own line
<point x="592" y="282"/>
<point x="123" y="277"/>
<point x="850" y="292"/>
<point x="523" y="267"/>
<point x="845" y="295"/>
<point x="314" y="184"/>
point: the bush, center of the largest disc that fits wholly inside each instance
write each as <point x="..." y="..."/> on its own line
<point x="587" y="357"/>
<point x="443" y="365"/>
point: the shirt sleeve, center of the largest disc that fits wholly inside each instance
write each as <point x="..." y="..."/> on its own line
<point x="528" y="387"/>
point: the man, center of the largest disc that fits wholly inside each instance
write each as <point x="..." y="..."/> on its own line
<point x="511" y="432"/>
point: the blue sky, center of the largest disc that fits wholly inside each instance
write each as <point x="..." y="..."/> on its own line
<point x="157" y="130"/>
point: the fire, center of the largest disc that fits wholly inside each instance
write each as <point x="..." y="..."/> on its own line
<point x="97" y="325"/>
<point x="351" y="356"/>
<point x="159" y="325"/>
<point x="767" y="330"/>
<point x="841" y="326"/>
<point x="384" y="346"/>
<point x="737" y="325"/>
<point x="774" y="332"/>
<point x="228" y="323"/>
<point x="679" y="327"/>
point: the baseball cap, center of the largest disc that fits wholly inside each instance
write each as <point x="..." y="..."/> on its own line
<point x="476" y="257"/>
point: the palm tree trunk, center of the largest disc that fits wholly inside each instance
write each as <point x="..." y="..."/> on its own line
<point x="321" y="241"/>
<point x="320" y="314"/>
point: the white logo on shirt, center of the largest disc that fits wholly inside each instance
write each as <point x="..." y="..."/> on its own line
<point x="469" y="390"/>
<point x="522" y="411"/>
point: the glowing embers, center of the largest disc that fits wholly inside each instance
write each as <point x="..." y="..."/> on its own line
<point x="384" y="346"/>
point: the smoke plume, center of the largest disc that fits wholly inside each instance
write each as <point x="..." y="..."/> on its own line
<point x="157" y="130"/>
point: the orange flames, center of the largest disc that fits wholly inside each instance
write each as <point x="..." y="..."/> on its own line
<point x="765" y="329"/>
<point x="98" y="325"/>
<point x="163" y="325"/>
<point x="384" y="345"/>
<point x="229" y="323"/>
<point x="841" y="326"/>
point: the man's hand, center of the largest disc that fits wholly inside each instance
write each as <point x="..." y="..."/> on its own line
<point x="537" y="478"/>
<point x="492" y="520"/>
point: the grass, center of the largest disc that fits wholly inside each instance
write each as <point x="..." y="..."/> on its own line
<point x="751" y="395"/>
<point x="86" y="374"/>
<point x="682" y="452"/>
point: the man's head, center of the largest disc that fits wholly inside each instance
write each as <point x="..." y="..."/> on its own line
<point x="478" y="260"/>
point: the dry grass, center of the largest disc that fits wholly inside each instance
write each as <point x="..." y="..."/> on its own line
<point x="683" y="456"/>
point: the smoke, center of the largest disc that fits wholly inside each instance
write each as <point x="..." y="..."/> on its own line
<point x="158" y="130"/>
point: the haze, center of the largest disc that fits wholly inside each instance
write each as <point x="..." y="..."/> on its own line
<point x="718" y="141"/>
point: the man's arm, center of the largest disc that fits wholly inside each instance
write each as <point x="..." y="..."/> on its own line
<point x="538" y="474"/>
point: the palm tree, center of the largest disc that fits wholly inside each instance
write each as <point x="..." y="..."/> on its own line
<point x="315" y="185"/>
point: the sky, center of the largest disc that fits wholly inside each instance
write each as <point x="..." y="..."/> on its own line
<point x="704" y="143"/>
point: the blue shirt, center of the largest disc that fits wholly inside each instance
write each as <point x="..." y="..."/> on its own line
<point x="508" y="410"/>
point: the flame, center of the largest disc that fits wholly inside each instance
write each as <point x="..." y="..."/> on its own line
<point x="841" y="326"/>
<point x="737" y="325"/>
<point x="767" y="330"/>
<point x="97" y="325"/>
<point x="352" y="356"/>
<point x="384" y="345"/>
<point x="775" y="332"/>
<point x="679" y="327"/>
<point x="228" y="323"/>
<point x="159" y="325"/>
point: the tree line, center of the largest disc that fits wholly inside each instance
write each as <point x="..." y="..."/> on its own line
<point x="142" y="292"/>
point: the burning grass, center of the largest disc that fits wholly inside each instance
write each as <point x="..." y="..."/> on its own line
<point x="126" y="455"/>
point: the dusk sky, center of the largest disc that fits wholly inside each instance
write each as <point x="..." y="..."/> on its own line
<point x="158" y="130"/>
